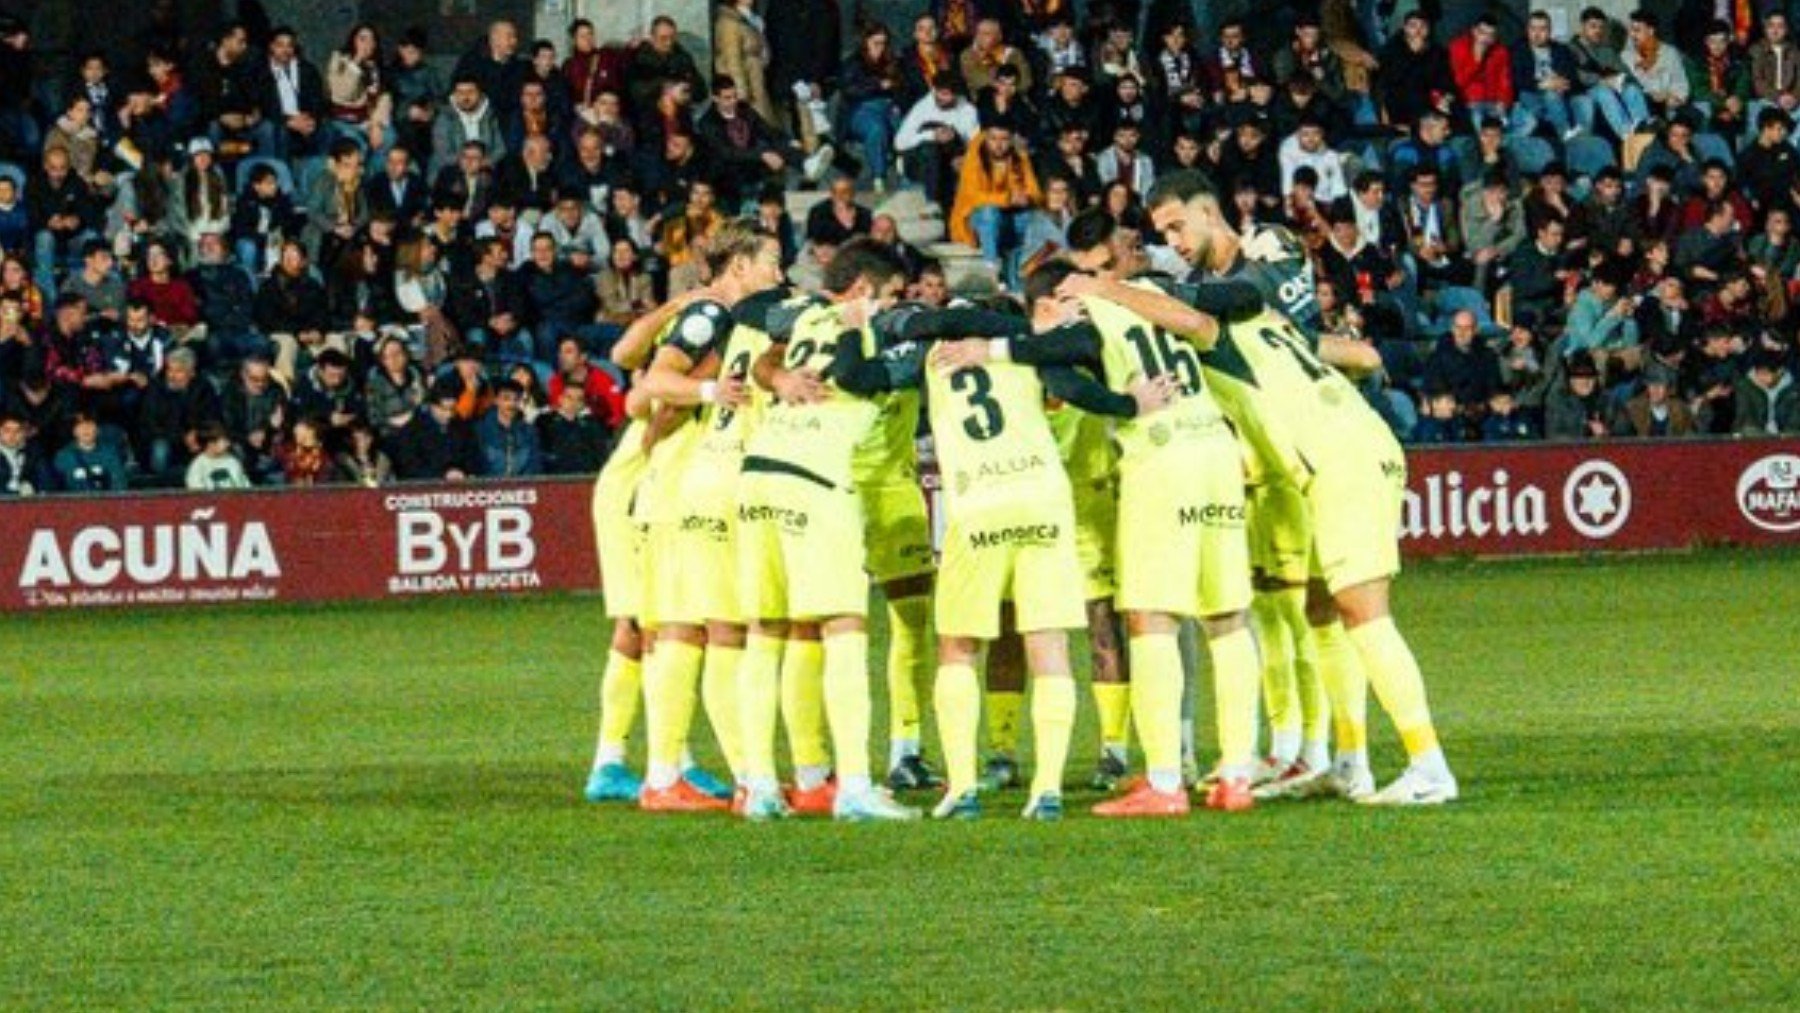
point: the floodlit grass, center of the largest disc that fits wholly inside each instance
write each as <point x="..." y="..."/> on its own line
<point x="378" y="806"/>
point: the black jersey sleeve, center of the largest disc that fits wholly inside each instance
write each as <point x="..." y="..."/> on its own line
<point x="1226" y="300"/>
<point x="1086" y="393"/>
<point x="1076" y="344"/>
<point x="894" y="367"/>
<point x="701" y="329"/>
<point x="756" y="310"/>
<point x="914" y="322"/>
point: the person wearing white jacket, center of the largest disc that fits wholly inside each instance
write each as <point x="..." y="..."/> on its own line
<point x="1306" y="146"/>
<point x="932" y="134"/>
<point x="1656" y="64"/>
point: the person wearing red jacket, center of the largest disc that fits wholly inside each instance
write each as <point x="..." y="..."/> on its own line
<point x="605" y="400"/>
<point x="1483" y="71"/>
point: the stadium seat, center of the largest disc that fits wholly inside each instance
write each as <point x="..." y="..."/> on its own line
<point x="1452" y="300"/>
<point x="1588" y="155"/>
<point x="1711" y="146"/>
<point x="1468" y="157"/>
<point x="282" y="175"/>
<point x="1531" y="154"/>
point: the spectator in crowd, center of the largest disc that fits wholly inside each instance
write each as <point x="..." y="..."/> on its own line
<point x="1483" y="70"/>
<point x="1125" y="162"/>
<point x="397" y="191"/>
<point x="1775" y="65"/>
<point x="64" y="213"/>
<point x="216" y="467"/>
<point x="1769" y="164"/>
<point x="870" y="96"/>
<point x="1719" y="83"/>
<point x="997" y="189"/>
<point x="292" y="97"/>
<point x="1415" y="74"/>
<point x="362" y="461"/>
<point x="1576" y="409"/>
<point x="171" y="299"/>
<point x="254" y="408"/>
<point x="836" y="220"/>
<point x="360" y="102"/>
<point x="741" y="53"/>
<point x="1544" y="74"/>
<point x="291" y="309"/>
<point x="748" y="151"/>
<point x="415" y="88"/>
<point x="487" y="306"/>
<point x="328" y="394"/>
<point x="934" y="134"/>
<point x="1655" y="64"/>
<point x="97" y="283"/>
<point x="1493" y="226"/>
<point x="302" y="456"/>
<point x="987" y="52"/>
<point x="526" y="179"/>
<point x="599" y="390"/>
<point x="1601" y="72"/>
<point x="1506" y="421"/>
<point x="494" y="66"/>
<point x="1464" y="368"/>
<point x="560" y="300"/>
<point x="926" y="58"/>
<point x="574" y="441"/>
<point x="223" y="291"/>
<point x="16" y="237"/>
<point x="22" y="468"/>
<point x="88" y="463"/>
<point x="509" y="443"/>
<point x="1603" y="321"/>
<point x="394" y="388"/>
<point x="658" y="59"/>
<point x="435" y="445"/>
<point x="421" y="291"/>
<point x="1768" y="402"/>
<point x="1655" y="411"/>
<point x="336" y="207"/>
<point x="1231" y="68"/>
<point x="469" y="118"/>
<point x="1537" y="282"/>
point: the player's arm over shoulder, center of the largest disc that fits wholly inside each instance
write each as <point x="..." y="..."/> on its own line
<point x="1086" y="393"/>
<point x="687" y="362"/>
<point x="915" y="322"/>
<point x="894" y="367"/>
<point x="1354" y="358"/>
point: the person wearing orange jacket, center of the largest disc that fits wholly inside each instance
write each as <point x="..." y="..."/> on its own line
<point x="995" y="192"/>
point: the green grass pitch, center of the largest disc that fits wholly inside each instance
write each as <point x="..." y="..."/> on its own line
<point x="377" y="806"/>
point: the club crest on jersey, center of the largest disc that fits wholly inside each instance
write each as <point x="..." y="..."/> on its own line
<point x="1159" y="435"/>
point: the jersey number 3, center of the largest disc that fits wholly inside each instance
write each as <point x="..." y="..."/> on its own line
<point x="985" y="420"/>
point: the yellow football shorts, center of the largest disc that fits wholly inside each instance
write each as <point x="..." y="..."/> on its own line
<point x="1182" y="543"/>
<point x="1023" y="553"/>
<point x="1280" y="533"/>
<point x="1356" y="500"/>
<point x="619" y="539"/>
<point x="1096" y="526"/>
<point x="896" y="530"/>
<point x="799" y="549"/>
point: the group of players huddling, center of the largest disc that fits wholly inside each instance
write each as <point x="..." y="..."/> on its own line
<point x="1130" y="452"/>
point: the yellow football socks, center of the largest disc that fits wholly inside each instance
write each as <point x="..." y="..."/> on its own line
<point x="1237" y="673"/>
<point x="1052" y="725"/>
<point x="1400" y="687"/>
<point x="759" y="706"/>
<point x="670" y="683"/>
<point x="1341" y="670"/>
<point x="803" y="710"/>
<point x="1004" y="708"/>
<point x="847" y="706"/>
<point x="1279" y="694"/>
<point x="719" y="692"/>
<point x="1113" y="702"/>
<point x="958" y="704"/>
<point x="621" y="686"/>
<point x="1156" y="706"/>
<point x="908" y="664"/>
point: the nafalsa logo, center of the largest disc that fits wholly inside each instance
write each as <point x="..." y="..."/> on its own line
<point x="196" y="550"/>
<point x="1769" y="493"/>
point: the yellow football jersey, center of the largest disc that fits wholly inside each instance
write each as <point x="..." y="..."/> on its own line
<point x="1289" y="408"/>
<point x="817" y="441"/>
<point x="723" y="431"/>
<point x="1131" y="349"/>
<point x="994" y="444"/>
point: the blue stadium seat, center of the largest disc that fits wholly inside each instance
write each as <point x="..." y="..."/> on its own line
<point x="282" y="175"/>
<point x="1588" y="155"/>
<point x="1531" y="154"/>
<point x="1711" y="146"/>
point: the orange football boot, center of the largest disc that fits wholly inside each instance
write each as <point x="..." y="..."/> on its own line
<point x="1145" y="801"/>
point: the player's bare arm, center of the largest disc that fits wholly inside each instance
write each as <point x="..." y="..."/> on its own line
<point x="633" y="349"/>
<point x="1355" y="359"/>
<point x="677" y="381"/>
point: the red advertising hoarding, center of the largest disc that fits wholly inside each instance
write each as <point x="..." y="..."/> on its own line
<point x="1513" y="501"/>
<point x="352" y="543"/>
<point x="302" y="545"/>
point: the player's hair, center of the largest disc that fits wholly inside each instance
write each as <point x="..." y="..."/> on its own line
<point x="1179" y="188"/>
<point x="863" y="258"/>
<point x="1090" y="229"/>
<point x="1043" y="282"/>
<point x="737" y="237"/>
